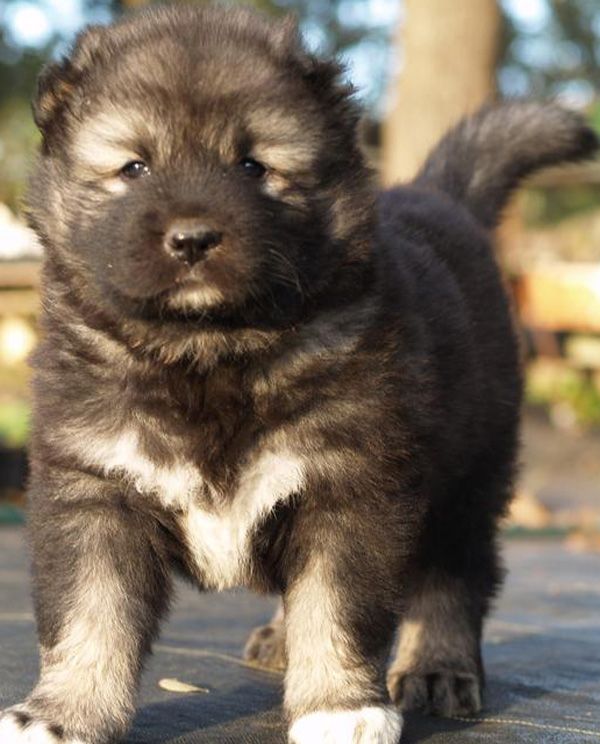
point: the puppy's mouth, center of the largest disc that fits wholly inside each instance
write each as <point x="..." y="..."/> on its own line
<point x="191" y="276"/>
<point x="192" y="273"/>
<point x="193" y="289"/>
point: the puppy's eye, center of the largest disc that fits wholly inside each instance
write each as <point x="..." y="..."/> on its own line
<point x="252" y="167"/>
<point x="135" y="169"/>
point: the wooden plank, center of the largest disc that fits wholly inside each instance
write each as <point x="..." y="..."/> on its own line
<point x="583" y="351"/>
<point x="562" y="297"/>
<point x="19" y="273"/>
<point x="19" y="302"/>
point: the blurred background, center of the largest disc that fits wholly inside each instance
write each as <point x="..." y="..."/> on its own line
<point x="418" y="65"/>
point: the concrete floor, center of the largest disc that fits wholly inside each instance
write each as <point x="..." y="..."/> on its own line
<point x="542" y="655"/>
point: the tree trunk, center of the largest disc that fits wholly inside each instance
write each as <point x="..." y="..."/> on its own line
<point x="448" y="50"/>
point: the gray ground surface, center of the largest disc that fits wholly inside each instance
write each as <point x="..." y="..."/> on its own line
<point x="542" y="653"/>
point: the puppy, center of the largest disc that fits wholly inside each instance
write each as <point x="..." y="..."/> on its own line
<point x="256" y="371"/>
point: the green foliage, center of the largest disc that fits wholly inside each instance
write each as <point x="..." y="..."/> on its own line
<point x="551" y="205"/>
<point x="18" y="72"/>
<point x="14" y="423"/>
<point x="559" y="55"/>
<point x="594" y="115"/>
<point x="18" y="138"/>
<point x="577" y="21"/>
<point x="561" y="385"/>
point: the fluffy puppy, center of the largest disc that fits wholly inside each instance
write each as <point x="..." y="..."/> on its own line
<point x="256" y="371"/>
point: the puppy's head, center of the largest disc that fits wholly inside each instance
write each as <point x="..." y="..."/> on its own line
<point x="199" y="161"/>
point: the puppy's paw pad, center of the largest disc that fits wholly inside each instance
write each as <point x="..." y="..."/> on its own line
<point x="440" y="693"/>
<point x="373" y="725"/>
<point x="266" y="647"/>
<point x="19" y="726"/>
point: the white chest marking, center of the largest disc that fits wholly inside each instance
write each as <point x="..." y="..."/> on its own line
<point x="221" y="541"/>
<point x="174" y="484"/>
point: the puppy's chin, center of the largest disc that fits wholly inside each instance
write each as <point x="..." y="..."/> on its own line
<point x="194" y="296"/>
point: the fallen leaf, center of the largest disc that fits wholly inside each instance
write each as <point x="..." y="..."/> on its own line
<point x="175" y="685"/>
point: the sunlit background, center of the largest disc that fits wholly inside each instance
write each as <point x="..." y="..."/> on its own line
<point x="417" y="65"/>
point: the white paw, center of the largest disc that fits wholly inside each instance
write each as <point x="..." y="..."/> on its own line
<point x="373" y="725"/>
<point x="17" y="726"/>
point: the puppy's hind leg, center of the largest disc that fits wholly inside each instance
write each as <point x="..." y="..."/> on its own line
<point x="100" y="586"/>
<point x="266" y="645"/>
<point x="437" y="667"/>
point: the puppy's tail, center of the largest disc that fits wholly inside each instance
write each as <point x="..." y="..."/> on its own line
<point x="485" y="157"/>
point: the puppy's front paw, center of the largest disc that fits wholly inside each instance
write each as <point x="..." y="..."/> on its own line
<point x="439" y="693"/>
<point x="19" y="726"/>
<point x="372" y="725"/>
<point x="266" y="647"/>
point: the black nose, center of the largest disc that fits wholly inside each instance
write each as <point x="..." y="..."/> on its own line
<point x="189" y="243"/>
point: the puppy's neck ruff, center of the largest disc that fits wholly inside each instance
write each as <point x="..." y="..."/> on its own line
<point x="168" y="440"/>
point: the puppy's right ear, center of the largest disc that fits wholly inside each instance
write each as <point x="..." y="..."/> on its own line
<point x="286" y="33"/>
<point x="54" y="87"/>
<point x="58" y="80"/>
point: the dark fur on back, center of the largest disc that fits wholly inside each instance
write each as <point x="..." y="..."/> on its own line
<point x="326" y="405"/>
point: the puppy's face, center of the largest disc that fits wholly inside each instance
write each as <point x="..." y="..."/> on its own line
<point x="198" y="161"/>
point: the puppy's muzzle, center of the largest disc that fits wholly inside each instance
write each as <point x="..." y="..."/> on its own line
<point x="189" y="242"/>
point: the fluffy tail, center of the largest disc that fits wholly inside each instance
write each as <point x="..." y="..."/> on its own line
<point x="485" y="157"/>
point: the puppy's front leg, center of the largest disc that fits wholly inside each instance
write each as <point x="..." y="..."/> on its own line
<point x="100" y="586"/>
<point x="338" y="635"/>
